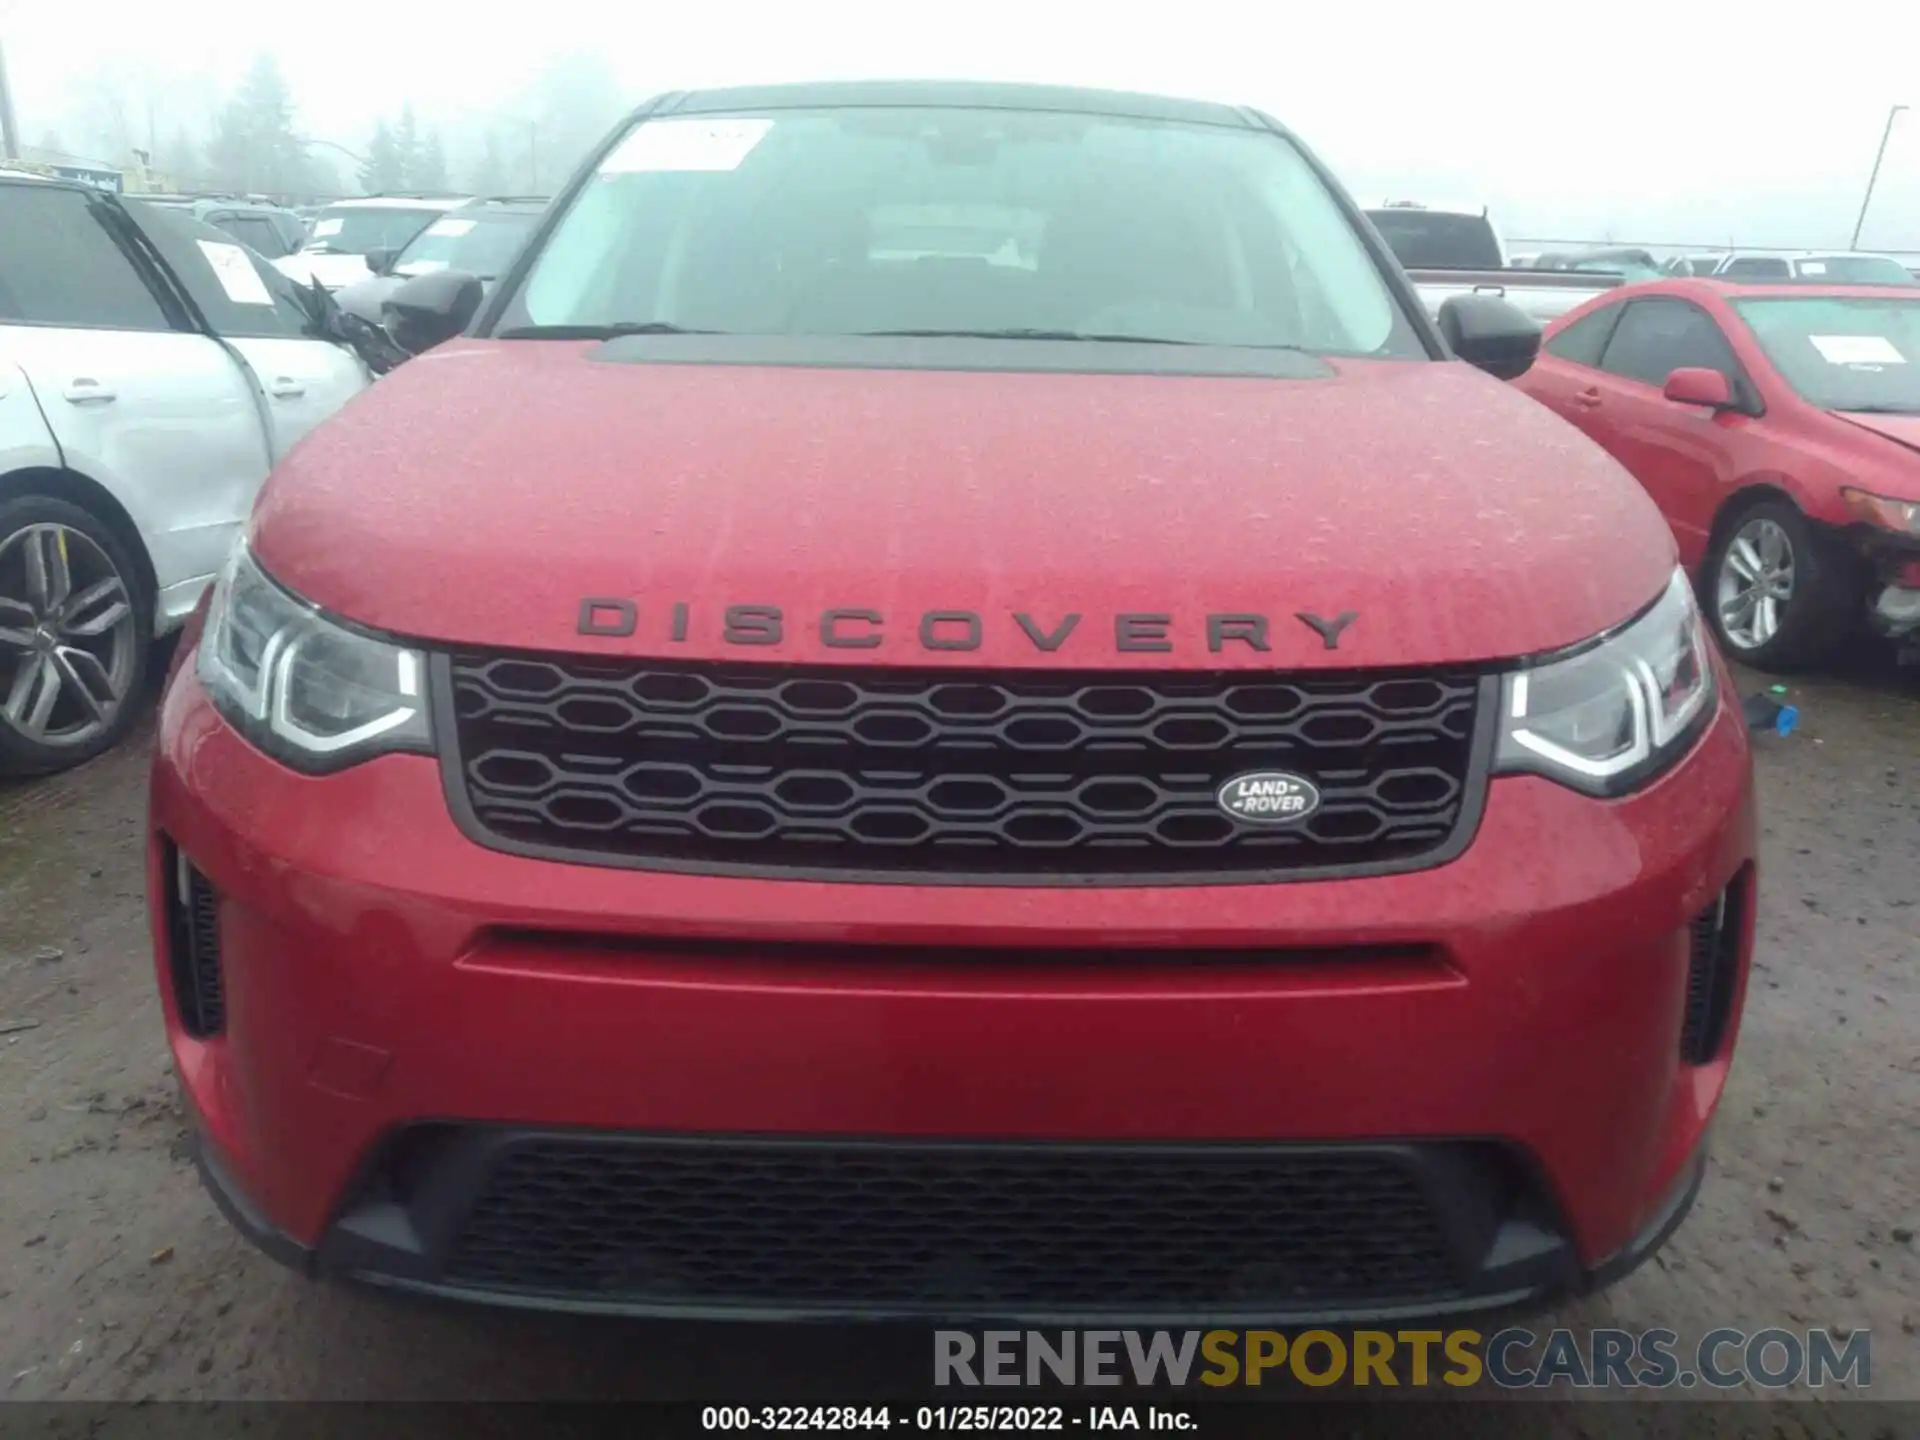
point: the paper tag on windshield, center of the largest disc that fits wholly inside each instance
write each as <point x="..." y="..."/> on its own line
<point x="1813" y="267"/>
<point x="1857" y="350"/>
<point x="450" y="227"/>
<point x="685" y="145"/>
<point x="235" y="272"/>
<point x="324" y="228"/>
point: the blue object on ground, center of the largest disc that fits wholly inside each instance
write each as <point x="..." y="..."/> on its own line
<point x="1765" y="713"/>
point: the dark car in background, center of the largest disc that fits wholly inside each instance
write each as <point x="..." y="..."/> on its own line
<point x="480" y="238"/>
<point x="267" y="230"/>
<point x="1430" y="237"/>
<point x="343" y="234"/>
<point x="1628" y="262"/>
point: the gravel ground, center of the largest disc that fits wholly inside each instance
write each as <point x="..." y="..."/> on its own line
<point x="119" y="1281"/>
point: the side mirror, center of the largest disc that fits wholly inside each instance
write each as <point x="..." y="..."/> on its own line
<point x="1695" y="385"/>
<point x="379" y="262"/>
<point x="1490" y="334"/>
<point x="430" y="308"/>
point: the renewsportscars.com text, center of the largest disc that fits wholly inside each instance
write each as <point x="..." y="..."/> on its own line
<point x="1510" y="1359"/>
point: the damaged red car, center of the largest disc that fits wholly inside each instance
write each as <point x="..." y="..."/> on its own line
<point x="1778" y="429"/>
<point x="951" y="703"/>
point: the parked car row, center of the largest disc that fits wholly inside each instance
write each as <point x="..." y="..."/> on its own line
<point x="1822" y="539"/>
<point x="1815" y="267"/>
<point x="347" y="231"/>
<point x="480" y="238"/>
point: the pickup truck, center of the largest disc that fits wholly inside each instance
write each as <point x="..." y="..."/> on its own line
<point x="1541" y="295"/>
<point x="1451" y="250"/>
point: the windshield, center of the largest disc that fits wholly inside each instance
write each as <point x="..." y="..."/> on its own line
<point x="950" y="220"/>
<point x="1842" y="354"/>
<point x="1854" y="270"/>
<point x="343" y="231"/>
<point x="1424" y="240"/>
<point x="482" y="245"/>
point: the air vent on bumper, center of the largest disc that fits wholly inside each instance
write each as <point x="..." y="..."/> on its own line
<point x="1713" y="966"/>
<point x="193" y="932"/>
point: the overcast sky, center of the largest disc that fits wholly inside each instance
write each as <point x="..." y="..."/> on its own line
<point x="1722" y="122"/>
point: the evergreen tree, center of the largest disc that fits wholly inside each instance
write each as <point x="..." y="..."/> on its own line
<point x="254" y="146"/>
<point x="431" y="172"/>
<point x="490" y="174"/>
<point x="406" y="142"/>
<point x="179" y="160"/>
<point x="384" y="170"/>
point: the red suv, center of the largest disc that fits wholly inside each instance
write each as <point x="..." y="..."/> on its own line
<point x="952" y="704"/>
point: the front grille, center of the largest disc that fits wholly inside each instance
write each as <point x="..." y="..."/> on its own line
<point x="945" y="775"/>
<point x="927" y="1225"/>
<point x="193" y="935"/>
<point x="1713" y="960"/>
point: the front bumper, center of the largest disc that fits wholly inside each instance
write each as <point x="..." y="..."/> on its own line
<point x="1503" y="1033"/>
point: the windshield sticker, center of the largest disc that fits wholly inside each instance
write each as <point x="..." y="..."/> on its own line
<point x="1857" y="350"/>
<point x="450" y="227"/>
<point x="686" y="145"/>
<point x="235" y="272"/>
<point x="1813" y="267"/>
<point x="324" y="228"/>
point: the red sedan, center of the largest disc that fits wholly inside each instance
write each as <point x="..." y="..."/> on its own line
<point x="1776" y="427"/>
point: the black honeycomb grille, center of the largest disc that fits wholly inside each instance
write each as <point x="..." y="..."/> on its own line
<point x="929" y="1225"/>
<point x="948" y="774"/>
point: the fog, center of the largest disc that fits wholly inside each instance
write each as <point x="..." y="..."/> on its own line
<point x="1733" y="123"/>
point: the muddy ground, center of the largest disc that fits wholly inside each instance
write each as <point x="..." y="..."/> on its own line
<point x="119" y="1281"/>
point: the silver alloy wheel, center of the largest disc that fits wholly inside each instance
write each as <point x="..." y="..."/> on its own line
<point x="67" y="636"/>
<point x="1755" y="583"/>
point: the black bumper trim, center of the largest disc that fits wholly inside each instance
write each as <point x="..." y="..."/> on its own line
<point x="241" y="1213"/>
<point x="334" y="1261"/>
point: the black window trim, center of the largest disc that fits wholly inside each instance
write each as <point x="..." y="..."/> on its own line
<point x="1745" y="392"/>
<point x="176" y="306"/>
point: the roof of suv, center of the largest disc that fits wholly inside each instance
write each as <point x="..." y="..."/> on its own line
<point x="201" y="203"/>
<point x="399" y="202"/>
<point x="515" y="204"/>
<point x="965" y="94"/>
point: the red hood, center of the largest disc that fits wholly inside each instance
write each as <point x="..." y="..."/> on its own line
<point x="1901" y="429"/>
<point x="480" y="492"/>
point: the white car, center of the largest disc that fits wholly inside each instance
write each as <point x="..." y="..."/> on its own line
<point x="1814" y="266"/>
<point x="152" y="370"/>
<point x="347" y="230"/>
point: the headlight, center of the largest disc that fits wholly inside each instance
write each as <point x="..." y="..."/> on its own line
<point x="1902" y="517"/>
<point x="1609" y="717"/>
<point x="306" y="689"/>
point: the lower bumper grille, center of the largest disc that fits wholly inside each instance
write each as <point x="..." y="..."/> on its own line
<point x="929" y="1227"/>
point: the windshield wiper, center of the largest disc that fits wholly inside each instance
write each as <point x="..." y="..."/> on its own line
<point x="600" y="332"/>
<point x="1878" y="409"/>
